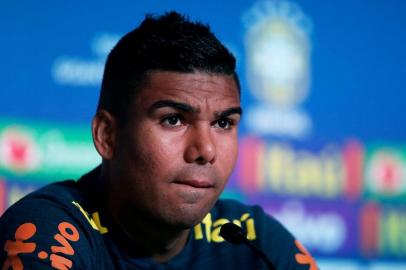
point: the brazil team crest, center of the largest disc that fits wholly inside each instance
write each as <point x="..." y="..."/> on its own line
<point x="278" y="63"/>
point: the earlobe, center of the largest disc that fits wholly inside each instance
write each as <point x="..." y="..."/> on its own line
<point x="104" y="132"/>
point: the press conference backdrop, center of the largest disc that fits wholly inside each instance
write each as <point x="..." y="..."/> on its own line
<point x="323" y="136"/>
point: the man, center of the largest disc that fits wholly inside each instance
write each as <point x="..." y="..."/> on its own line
<point x="166" y="128"/>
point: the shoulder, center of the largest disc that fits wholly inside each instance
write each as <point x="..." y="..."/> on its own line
<point x="64" y="200"/>
<point x="46" y="227"/>
<point x="43" y="203"/>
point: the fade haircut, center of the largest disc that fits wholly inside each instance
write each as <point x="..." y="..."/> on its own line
<point x="170" y="42"/>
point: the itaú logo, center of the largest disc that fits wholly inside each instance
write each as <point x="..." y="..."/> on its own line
<point x="18" y="151"/>
<point x="279" y="168"/>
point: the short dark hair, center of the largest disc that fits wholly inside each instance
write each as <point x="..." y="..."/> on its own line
<point x="170" y="42"/>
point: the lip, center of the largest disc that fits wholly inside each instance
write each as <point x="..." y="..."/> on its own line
<point x="195" y="183"/>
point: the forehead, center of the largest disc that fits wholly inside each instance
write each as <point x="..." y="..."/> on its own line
<point x="191" y="87"/>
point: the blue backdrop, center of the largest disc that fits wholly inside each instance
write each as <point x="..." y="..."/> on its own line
<point x="323" y="137"/>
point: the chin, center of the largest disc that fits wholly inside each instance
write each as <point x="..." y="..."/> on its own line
<point x="191" y="216"/>
<point x="188" y="217"/>
<point x="187" y="222"/>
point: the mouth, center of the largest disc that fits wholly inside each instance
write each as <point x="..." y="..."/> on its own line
<point x="195" y="183"/>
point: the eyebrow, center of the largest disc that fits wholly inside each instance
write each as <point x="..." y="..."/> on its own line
<point x="228" y="112"/>
<point x="172" y="104"/>
<point x="190" y="109"/>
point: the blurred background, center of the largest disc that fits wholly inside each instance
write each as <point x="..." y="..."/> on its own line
<point x="323" y="136"/>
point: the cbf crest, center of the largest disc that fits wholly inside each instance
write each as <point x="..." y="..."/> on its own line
<point x="278" y="67"/>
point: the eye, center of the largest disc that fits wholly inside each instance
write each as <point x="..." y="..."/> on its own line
<point x="224" y="123"/>
<point x="172" y="120"/>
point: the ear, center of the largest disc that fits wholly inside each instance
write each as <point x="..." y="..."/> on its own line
<point x="104" y="130"/>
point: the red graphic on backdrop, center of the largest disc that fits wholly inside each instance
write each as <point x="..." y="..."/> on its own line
<point x="18" y="150"/>
<point x="386" y="172"/>
<point x="389" y="174"/>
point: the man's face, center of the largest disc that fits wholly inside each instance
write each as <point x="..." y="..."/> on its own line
<point x="174" y="156"/>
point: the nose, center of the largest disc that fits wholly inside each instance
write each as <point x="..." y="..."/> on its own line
<point x="201" y="147"/>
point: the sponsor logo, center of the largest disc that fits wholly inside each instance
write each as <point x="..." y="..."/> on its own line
<point x="306" y="224"/>
<point x="45" y="152"/>
<point x="212" y="227"/>
<point x="13" y="248"/>
<point x="304" y="257"/>
<point x="279" y="168"/>
<point x="60" y="251"/>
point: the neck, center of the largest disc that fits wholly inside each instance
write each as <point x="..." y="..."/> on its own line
<point x="147" y="239"/>
<point x="139" y="235"/>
